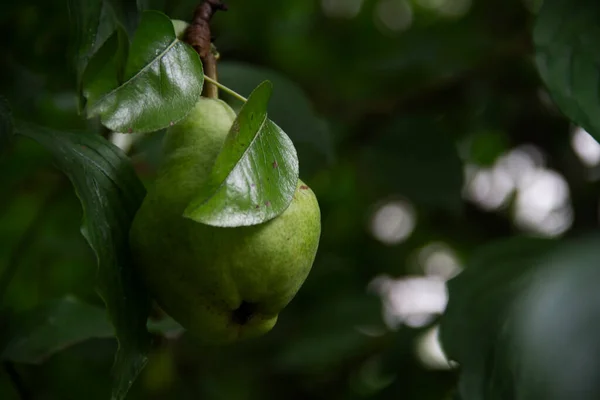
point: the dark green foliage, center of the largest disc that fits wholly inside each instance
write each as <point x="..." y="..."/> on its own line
<point x="110" y="194"/>
<point x="405" y="116"/>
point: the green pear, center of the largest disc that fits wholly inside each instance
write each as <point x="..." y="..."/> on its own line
<point x="221" y="284"/>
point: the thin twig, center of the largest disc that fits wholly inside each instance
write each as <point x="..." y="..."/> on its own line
<point x="226" y="89"/>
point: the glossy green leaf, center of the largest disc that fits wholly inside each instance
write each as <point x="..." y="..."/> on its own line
<point x="6" y="125"/>
<point x="290" y="107"/>
<point x="39" y="333"/>
<point x="475" y="328"/>
<point x="162" y="81"/>
<point x="255" y="175"/>
<point x="110" y="194"/>
<point x="567" y="43"/>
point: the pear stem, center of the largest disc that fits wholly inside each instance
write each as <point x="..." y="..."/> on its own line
<point x="225" y="89"/>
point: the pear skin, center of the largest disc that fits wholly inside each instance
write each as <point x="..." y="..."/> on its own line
<point x="221" y="284"/>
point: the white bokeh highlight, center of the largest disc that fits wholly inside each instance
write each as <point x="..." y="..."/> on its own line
<point x="586" y="147"/>
<point x="343" y="9"/>
<point x="412" y="301"/>
<point x="449" y="8"/>
<point x="429" y="351"/>
<point x="542" y="203"/>
<point x="490" y="188"/>
<point x="393" y="15"/>
<point x="393" y="221"/>
<point x="439" y="260"/>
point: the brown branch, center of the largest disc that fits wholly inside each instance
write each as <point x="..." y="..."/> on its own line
<point x="210" y="70"/>
<point x="198" y="35"/>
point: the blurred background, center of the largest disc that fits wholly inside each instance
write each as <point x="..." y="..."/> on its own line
<point x="421" y="125"/>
